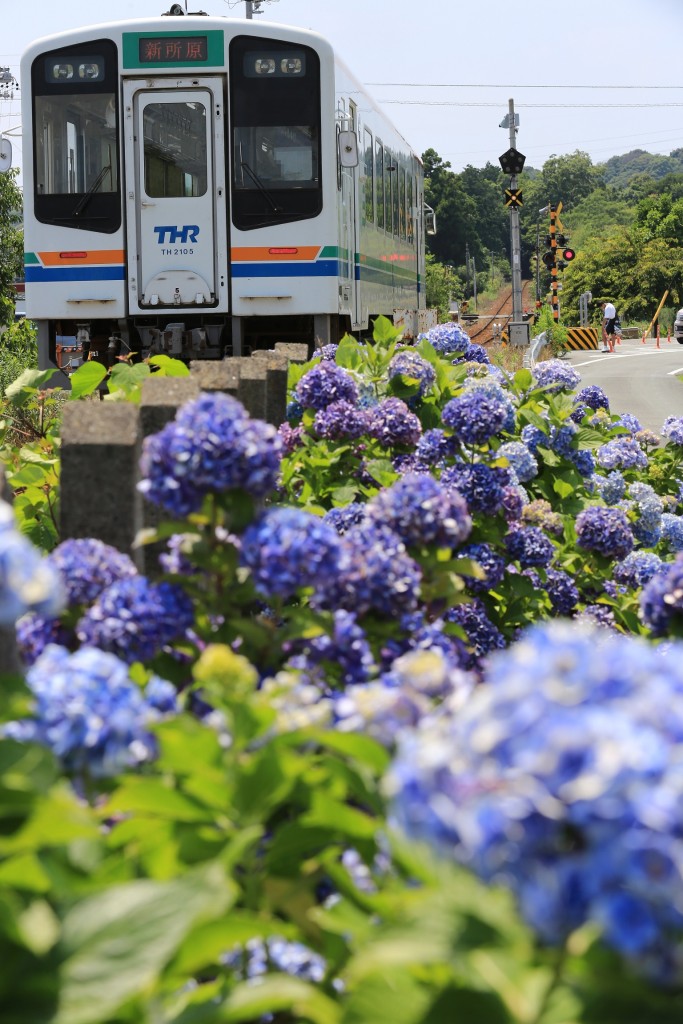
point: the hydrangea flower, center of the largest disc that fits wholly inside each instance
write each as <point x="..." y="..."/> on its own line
<point x="475" y="416"/>
<point x="28" y="582"/>
<point x="473" y="354"/>
<point x="539" y="512"/>
<point x="211" y="446"/>
<point x="290" y="437"/>
<point x="492" y="564"/>
<point x="435" y="447"/>
<point x="482" y="635"/>
<point x="481" y="486"/>
<point x="672" y="429"/>
<point x="259" y="957"/>
<point x="393" y="424"/>
<point x="605" y="531"/>
<point x="135" y="619"/>
<point x="649" y="507"/>
<point x="629" y="422"/>
<point x="529" y="546"/>
<point x="88" y="566"/>
<point x="288" y="549"/>
<point x="343" y="517"/>
<point x="421" y="510"/>
<point x="555" y="375"/>
<point x="661" y="602"/>
<point x="558" y="779"/>
<point x="493" y="387"/>
<point x="90" y="713"/>
<point x="448" y="338"/>
<point x="621" y="453"/>
<point x="533" y="437"/>
<point x="594" y="397"/>
<point x="562" y="591"/>
<point x="340" y="420"/>
<point x="672" y="531"/>
<point x="521" y="459"/>
<point x="611" y="488"/>
<point x="326" y="383"/>
<point x="346" y="649"/>
<point x="637" y="568"/>
<point x="410" y="364"/>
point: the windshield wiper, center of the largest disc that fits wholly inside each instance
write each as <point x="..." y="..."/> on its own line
<point x="87" y="196"/>
<point x="260" y="186"/>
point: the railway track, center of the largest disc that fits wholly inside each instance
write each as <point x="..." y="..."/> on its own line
<point x="500" y="311"/>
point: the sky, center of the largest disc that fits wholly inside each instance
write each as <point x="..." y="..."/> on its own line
<point x="597" y="76"/>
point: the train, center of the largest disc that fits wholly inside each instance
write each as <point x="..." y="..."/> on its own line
<point x="202" y="186"/>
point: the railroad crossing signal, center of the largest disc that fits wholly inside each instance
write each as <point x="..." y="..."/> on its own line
<point x="512" y="161"/>
<point x="568" y="255"/>
<point x="513" y="198"/>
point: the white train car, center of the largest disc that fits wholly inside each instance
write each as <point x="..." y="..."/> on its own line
<point x="204" y="186"/>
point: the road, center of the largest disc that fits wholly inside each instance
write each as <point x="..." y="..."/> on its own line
<point x="640" y="379"/>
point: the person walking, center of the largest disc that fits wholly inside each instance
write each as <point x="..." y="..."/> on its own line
<point x="609" y="319"/>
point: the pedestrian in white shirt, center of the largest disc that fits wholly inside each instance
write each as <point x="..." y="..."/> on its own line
<point x="609" y="317"/>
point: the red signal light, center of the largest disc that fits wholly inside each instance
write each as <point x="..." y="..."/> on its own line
<point x="568" y="255"/>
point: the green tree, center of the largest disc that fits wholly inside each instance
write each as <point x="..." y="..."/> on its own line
<point x="11" y="243"/>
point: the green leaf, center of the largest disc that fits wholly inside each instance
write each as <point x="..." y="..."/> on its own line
<point x="328" y="813"/>
<point x="115" y="945"/>
<point x="170" y="367"/>
<point x="153" y="797"/>
<point x="87" y="378"/>
<point x="279" y="993"/>
<point x="523" y="379"/>
<point x="26" y="384"/>
<point x="128" y="378"/>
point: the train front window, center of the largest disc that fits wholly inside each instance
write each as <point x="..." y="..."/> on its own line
<point x="275" y="104"/>
<point x="175" y="150"/>
<point x="76" y="161"/>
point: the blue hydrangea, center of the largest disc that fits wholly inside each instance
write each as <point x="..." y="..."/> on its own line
<point x="448" y="338"/>
<point x="605" y="531"/>
<point x="672" y="429"/>
<point x="558" y="778"/>
<point x="88" y="566"/>
<point x="562" y="591"/>
<point x="393" y="424"/>
<point x="489" y="561"/>
<point x="409" y="364"/>
<point x="421" y="510"/>
<point x="475" y="416"/>
<point x="562" y="438"/>
<point x="661" y="601"/>
<point x="648" y="507"/>
<point x="555" y="375"/>
<point x="533" y="437"/>
<point x="481" y="486"/>
<point x="629" y="422"/>
<point x="672" y="531"/>
<point x="212" y="446"/>
<point x="259" y="957"/>
<point x="637" y="568"/>
<point x="288" y="549"/>
<point x="340" y="420"/>
<point x="343" y="517"/>
<point x="594" y="397"/>
<point x="493" y="387"/>
<point x="89" y="712"/>
<point x="378" y="710"/>
<point x="612" y="487"/>
<point x="378" y="574"/>
<point x="435" y="447"/>
<point x="343" y="655"/>
<point x="521" y="459"/>
<point x="34" y="633"/>
<point x="529" y="546"/>
<point x="584" y="460"/>
<point x="326" y="383"/>
<point x="473" y="353"/>
<point x="621" y="453"/>
<point x="515" y="497"/>
<point x="328" y="352"/>
<point x="482" y="636"/>
<point x="135" y="619"/>
<point x="294" y="411"/>
<point x="28" y="582"/>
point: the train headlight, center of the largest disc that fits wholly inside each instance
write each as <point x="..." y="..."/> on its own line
<point x="61" y="72"/>
<point x="264" y="66"/>
<point x="89" y="71"/>
<point x="291" y="66"/>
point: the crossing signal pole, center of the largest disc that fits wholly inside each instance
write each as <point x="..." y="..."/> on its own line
<point x="554" y="301"/>
<point x="512" y="163"/>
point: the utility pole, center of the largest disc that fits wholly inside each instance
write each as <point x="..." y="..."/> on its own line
<point x="512" y="163"/>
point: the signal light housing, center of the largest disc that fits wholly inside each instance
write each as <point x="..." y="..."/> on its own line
<point x="549" y="259"/>
<point x="568" y="255"/>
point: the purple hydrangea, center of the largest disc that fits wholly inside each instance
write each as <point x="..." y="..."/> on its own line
<point x="481" y="486"/>
<point x="492" y="564"/>
<point x="533" y="437"/>
<point x="473" y="353"/>
<point x="605" y="531"/>
<point x="555" y="375"/>
<point x="341" y="420"/>
<point x="482" y="636"/>
<point x="562" y="438"/>
<point x="435" y="447"/>
<point x="90" y="713"/>
<point x="324" y="384"/>
<point x="584" y="460"/>
<point x="672" y="429"/>
<point x="661" y="602"/>
<point x="475" y="416"/>
<point x="421" y="510"/>
<point x="629" y="422"/>
<point x="343" y="655"/>
<point x="529" y="546"/>
<point x="290" y="437"/>
<point x="562" y="591"/>
<point x="410" y="365"/>
<point x="594" y="397"/>
<point x="637" y="568"/>
<point x="212" y="446"/>
<point x="343" y="517"/>
<point x="34" y="633"/>
<point x="621" y="453"/>
<point x="288" y="549"/>
<point x="88" y="566"/>
<point x="393" y="424"/>
<point x="135" y="619"/>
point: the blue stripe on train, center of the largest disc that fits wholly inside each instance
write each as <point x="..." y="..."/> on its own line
<point x="35" y="273"/>
<point x="321" y="268"/>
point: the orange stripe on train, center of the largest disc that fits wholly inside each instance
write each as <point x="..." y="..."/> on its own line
<point x="273" y="253"/>
<point x="80" y="257"/>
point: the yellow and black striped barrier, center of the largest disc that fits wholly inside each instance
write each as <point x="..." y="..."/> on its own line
<point x="582" y="337"/>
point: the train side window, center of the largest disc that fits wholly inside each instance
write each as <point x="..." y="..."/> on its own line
<point x="402" y="202"/>
<point x="388" y="200"/>
<point x="379" y="182"/>
<point x="368" y="180"/>
<point x="276" y="159"/>
<point x="394" y="197"/>
<point x="409" y="208"/>
<point x="75" y="137"/>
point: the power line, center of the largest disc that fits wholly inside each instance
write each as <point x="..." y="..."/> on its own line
<point x="526" y="106"/>
<point x="504" y="85"/>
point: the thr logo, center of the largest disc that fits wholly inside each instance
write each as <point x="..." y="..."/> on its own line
<point x="171" y="234"/>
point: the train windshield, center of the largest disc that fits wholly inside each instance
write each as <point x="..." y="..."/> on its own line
<point x="76" y="164"/>
<point x="275" y="92"/>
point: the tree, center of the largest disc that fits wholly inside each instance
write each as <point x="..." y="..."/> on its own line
<point x="11" y="243"/>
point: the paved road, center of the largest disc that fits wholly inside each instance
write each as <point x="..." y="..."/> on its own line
<point x="640" y="379"/>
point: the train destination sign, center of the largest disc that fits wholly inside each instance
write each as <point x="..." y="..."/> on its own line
<point x="184" y="49"/>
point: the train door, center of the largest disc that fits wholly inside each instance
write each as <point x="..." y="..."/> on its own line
<point x="350" y="283"/>
<point x="175" y="194"/>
